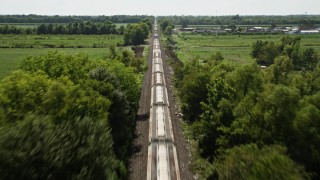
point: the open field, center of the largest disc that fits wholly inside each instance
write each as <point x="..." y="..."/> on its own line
<point x="10" y="58"/>
<point x="16" y="47"/>
<point x="234" y="48"/>
<point x="21" y="25"/>
<point x="59" y="41"/>
<point x="122" y="24"/>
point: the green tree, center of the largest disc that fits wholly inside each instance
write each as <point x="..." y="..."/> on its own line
<point x="112" y="52"/>
<point x="54" y="129"/>
<point x="184" y="23"/>
<point x="246" y="79"/>
<point x="69" y="87"/>
<point x="280" y="69"/>
<point x="251" y="162"/>
<point x="168" y="31"/>
<point x="217" y="116"/>
<point x="22" y="93"/>
<point x="265" y="52"/>
<point x="38" y="148"/>
<point x="306" y="133"/>
<point x="310" y="58"/>
<point x="216" y="58"/>
<point x="127" y="57"/>
<point x="233" y="27"/>
<point x="166" y="26"/>
<point x="42" y="29"/>
<point x="192" y="92"/>
<point x="122" y="30"/>
<point x="136" y="34"/>
<point x="277" y="107"/>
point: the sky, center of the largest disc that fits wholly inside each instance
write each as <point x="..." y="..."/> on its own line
<point x="160" y="7"/>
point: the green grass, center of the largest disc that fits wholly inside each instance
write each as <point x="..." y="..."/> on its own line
<point x="121" y="24"/>
<point x="13" y="48"/>
<point x="21" y="25"/>
<point x="234" y="48"/>
<point x="28" y="25"/>
<point x="59" y="41"/>
<point x="11" y="58"/>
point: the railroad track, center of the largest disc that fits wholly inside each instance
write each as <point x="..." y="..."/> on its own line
<point x="162" y="153"/>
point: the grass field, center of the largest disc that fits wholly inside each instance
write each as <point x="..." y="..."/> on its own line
<point x="17" y="47"/>
<point x="122" y="24"/>
<point x="21" y="25"/>
<point x="234" y="48"/>
<point x="59" y="41"/>
<point x="10" y="58"/>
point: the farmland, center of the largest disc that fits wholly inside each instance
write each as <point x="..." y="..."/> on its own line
<point x="234" y="48"/>
<point x="16" y="47"/>
<point x="59" y="41"/>
<point x="21" y="25"/>
<point x="10" y="58"/>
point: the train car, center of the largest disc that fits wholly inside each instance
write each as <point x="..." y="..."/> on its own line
<point x="162" y="164"/>
<point x="157" y="68"/>
<point x="156" y="53"/>
<point x="157" y="61"/>
<point x="156" y="42"/>
<point x="158" y="79"/>
<point x="159" y="95"/>
<point x="161" y="127"/>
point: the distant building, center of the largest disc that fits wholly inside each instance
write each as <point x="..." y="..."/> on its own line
<point x="187" y="29"/>
<point x="258" y="28"/>
<point x="311" y="31"/>
<point x="175" y="31"/>
<point x="280" y="30"/>
<point x="255" y="30"/>
<point x="293" y="32"/>
<point x="199" y="31"/>
<point x="220" y="31"/>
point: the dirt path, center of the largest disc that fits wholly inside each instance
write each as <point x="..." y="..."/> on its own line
<point x="138" y="160"/>
<point x="181" y="144"/>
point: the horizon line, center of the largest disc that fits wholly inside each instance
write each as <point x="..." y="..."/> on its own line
<point x="13" y="14"/>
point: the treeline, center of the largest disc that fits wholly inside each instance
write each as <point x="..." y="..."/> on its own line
<point x="32" y="18"/>
<point x="69" y="117"/>
<point x="245" y="20"/>
<point x="87" y="27"/>
<point x="134" y="34"/>
<point x="248" y="123"/>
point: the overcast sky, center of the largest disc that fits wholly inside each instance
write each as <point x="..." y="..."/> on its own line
<point x="160" y="7"/>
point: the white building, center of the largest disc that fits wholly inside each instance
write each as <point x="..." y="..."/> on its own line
<point x="311" y="31"/>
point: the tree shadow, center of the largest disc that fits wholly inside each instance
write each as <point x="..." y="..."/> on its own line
<point x="143" y="117"/>
<point x="136" y="148"/>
